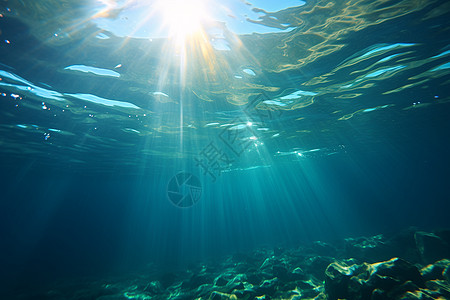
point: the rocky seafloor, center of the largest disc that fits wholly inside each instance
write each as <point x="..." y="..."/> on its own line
<point x="409" y="265"/>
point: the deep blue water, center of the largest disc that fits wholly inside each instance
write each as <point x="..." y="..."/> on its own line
<point x="350" y="137"/>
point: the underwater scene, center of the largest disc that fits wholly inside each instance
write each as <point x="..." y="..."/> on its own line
<point x="232" y="149"/>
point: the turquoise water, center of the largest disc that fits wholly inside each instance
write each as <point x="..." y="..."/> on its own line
<point x="289" y="123"/>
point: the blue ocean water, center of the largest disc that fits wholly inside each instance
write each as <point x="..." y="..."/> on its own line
<point x="285" y="124"/>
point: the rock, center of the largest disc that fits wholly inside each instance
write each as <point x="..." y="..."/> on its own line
<point x="253" y="259"/>
<point x="221" y="280"/>
<point x="403" y="245"/>
<point x="247" y="293"/>
<point x="323" y="249"/>
<point x="237" y="283"/>
<point x="317" y="265"/>
<point x="268" y="263"/>
<point x="267" y="287"/>
<point x="431" y="247"/>
<point x="402" y="289"/>
<point x="254" y="278"/>
<point x="298" y="274"/>
<point x="399" y="269"/>
<point x="196" y="280"/>
<point x="221" y="296"/>
<point x="321" y="296"/>
<point x="236" y="286"/>
<point x="384" y="280"/>
<point x="280" y="272"/>
<point x="153" y="287"/>
<point x="337" y="278"/>
<point x="242" y="267"/>
<point x="369" y="249"/>
<point x="177" y="296"/>
<point x="303" y="290"/>
<point x="417" y="295"/>
<point x="110" y="289"/>
<point x="307" y="285"/>
<point x="203" y="290"/>
<point x="318" y="271"/>
<point x="436" y="270"/>
<point x="292" y="294"/>
<point x="378" y="294"/>
<point x="439" y="288"/>
<point x="446" y="273"/>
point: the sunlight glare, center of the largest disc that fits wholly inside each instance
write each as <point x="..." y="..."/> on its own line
<point x="182" y="18"/>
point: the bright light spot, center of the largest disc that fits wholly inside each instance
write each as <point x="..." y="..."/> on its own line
<point x="249" y="123"/>
<point x="183" y="18"/>
<point x="441" y="67"/>
<point x="299" y="154"/>
<point x="220" y="44"/>
<point x="108" y="7"/>
<point x="101" y="36"/>
<point x="160" y="94"/>
<point x="253" y="138"/>
<point x="93" y="70"/>
<point x="249" y="72"/>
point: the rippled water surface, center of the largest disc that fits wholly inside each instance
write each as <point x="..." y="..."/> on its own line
<point x="328" y="75"/>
